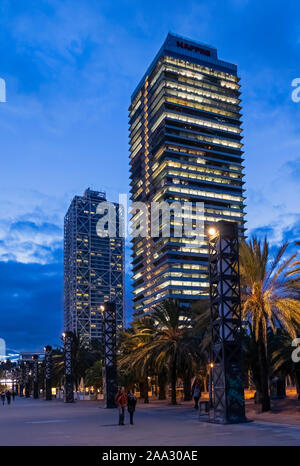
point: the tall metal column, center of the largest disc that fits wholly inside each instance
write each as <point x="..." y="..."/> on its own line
<point x="228" y="405"/>
<point x="13" y="380"/>
<point x="27" y="379"/>
<point x="48" y="372"/>
<point x="35" y="376"/>
<point x="110" y="344"/>
<point x="18" y="381"/>
<point x="22" y="378"/>
<point x="69" y="382"/>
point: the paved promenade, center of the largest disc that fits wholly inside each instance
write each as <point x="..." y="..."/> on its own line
<point x="38" y="422"/>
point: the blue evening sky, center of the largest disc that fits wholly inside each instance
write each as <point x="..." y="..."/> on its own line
<point x="70" y="67"/>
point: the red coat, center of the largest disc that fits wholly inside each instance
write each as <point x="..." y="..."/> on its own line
<point x="121" y="400"/>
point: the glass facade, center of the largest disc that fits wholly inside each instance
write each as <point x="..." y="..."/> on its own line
<point x="93" y="268"/>
<point x="185" y="145"/>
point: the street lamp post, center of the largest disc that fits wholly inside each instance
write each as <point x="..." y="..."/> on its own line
<point x="110" y="343"/>
<point x="227" y="397"/>
<point x="69" y="382"/>
<point x="35" y="376"/>
<point x="48" y="372"/>
<point x="211" y="366"/>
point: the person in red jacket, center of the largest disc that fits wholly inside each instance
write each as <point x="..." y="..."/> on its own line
<point x="121" y="402"/>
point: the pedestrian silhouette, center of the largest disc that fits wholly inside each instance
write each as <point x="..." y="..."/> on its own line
<point x="131" y="404"/>
<point x="121" y="402"/>
<point x="8" y="397"/>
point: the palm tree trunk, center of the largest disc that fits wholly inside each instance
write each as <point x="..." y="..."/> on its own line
<point x="264" y="376"/>
<point x="257" y="383"/>
<point x="146" y="389"/>
<point x="187" y="392"/>
<point x="297" y="374"/>
<point x="162" y="380"/>
<point x="173" y="381"/>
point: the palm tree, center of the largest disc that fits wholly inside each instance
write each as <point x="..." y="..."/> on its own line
<point x="164" y="338"/>
<point x="295" y="266"/>
<point x="132" y="368"/>
<point x="270" y="299"/>
<point x="93" y="376"/>
<point x="282" y="363"/>
<point x="83" y="357"/>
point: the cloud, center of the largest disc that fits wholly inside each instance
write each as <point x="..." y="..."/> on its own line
<point x="293" y="169"/>
<point x="31" y="305"/>
<point x="29" y="241"/>
<point x="285" y="228"/>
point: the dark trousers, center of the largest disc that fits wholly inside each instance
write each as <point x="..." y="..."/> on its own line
<point x="196" y="399"/>
<point x="131" y="413"/>
<point x="121" y="416"/>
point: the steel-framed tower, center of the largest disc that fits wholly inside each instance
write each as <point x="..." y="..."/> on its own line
<point x="93" y="268"/>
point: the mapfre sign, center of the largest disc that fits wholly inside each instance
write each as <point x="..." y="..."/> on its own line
<point x="193" y="48"/>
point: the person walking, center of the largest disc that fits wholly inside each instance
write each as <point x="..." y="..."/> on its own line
<point x="13" y="395"/>
<point x="197" y="394"/>
<point x="8" y="397"/>
<point x="3" y="398"/>
<point x="121" y="402"/>
<point x="131" y="404"/>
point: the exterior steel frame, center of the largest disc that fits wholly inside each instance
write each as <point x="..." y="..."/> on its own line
<point x="110" y="345"/>
<point x="69" y="381"/>
<point x="27" y="379"/>
<point x="35" y="376"/>
<point x="228" y="404"/>
<point x="22" y="379"/>
<point x="48" y="372"/>
<point x="19" y="378"/>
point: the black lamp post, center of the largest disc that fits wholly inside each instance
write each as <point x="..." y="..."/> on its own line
<point x="69" y="381"/>
<point x="110" y="343"/>
<point x="227" y="397"/>
<point x="48" y="372"/>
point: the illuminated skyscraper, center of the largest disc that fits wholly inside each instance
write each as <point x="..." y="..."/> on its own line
<point x="93" y="268"/>
<point x="186" y="145"/>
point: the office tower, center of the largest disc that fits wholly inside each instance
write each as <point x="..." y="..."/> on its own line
<point x="93" y="268"/>
<point x="186" y="145"/>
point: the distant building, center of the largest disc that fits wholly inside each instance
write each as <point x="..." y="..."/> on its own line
<point x="93" y="268"/>
<point x="186" y="146"/>
<point x="2" y="350"/>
